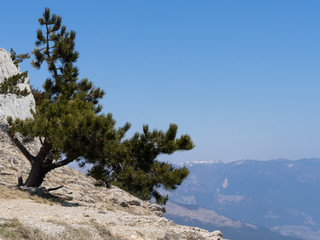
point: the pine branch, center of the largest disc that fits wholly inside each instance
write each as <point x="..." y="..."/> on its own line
<point x="59" y="164"/>
<point x="53" y="189"/>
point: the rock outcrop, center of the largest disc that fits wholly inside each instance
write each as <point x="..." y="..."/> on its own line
<point x="10" y="104"/>
<point x="80" y="209"/>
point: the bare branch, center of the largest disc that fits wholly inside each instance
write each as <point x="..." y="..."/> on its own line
<point x="53" y="189"/>
<point x="19" y="174"/>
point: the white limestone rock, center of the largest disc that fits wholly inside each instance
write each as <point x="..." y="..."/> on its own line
<point x="10" y="104"/>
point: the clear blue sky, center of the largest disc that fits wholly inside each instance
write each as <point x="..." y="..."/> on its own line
<point x="241" y="77"/>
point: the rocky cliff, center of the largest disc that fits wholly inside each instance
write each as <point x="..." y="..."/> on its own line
<point x="78" y="210"/>
<point x="11" y="105"/>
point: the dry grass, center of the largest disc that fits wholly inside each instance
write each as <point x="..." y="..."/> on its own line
<point x="103" y="232"/>
<point x="14" y="230"/>
<point x="15" y="193"/>
<point x="107" y="207"/>
<point x="71" y="233"/>
<point x="85" y="232"/>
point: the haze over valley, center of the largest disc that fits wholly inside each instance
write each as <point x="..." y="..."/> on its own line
<point x="280" y="195"/>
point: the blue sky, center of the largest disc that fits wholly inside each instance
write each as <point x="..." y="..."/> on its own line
<point x="241" y="77"/>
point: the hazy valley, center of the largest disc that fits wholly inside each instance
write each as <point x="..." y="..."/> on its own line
<point x="280" y="195"/>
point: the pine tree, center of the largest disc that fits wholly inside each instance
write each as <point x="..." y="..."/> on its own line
<point x="66" y="119"/>
<point x="71" y="128"/>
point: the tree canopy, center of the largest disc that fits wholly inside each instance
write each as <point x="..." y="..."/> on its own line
<point x="135" y="167"/>
<point x="69" y="123"/>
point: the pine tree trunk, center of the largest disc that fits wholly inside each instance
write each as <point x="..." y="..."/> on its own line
<point x="36" y="176"/>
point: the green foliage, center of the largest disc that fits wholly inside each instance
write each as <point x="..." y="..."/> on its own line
<point x="38" y="95"/>
<point x="135" y="168"/>
<point x="56" y="47"/>
<point x="18" y="58"/>
<point x="10" y="84"/>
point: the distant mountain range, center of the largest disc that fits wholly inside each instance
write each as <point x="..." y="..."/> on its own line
<point x="281" y="195"/>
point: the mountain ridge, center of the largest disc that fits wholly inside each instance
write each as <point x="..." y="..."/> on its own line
<point x="238" y="162"/>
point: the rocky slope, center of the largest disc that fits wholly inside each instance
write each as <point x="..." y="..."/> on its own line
<point x="78" y="210"/>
